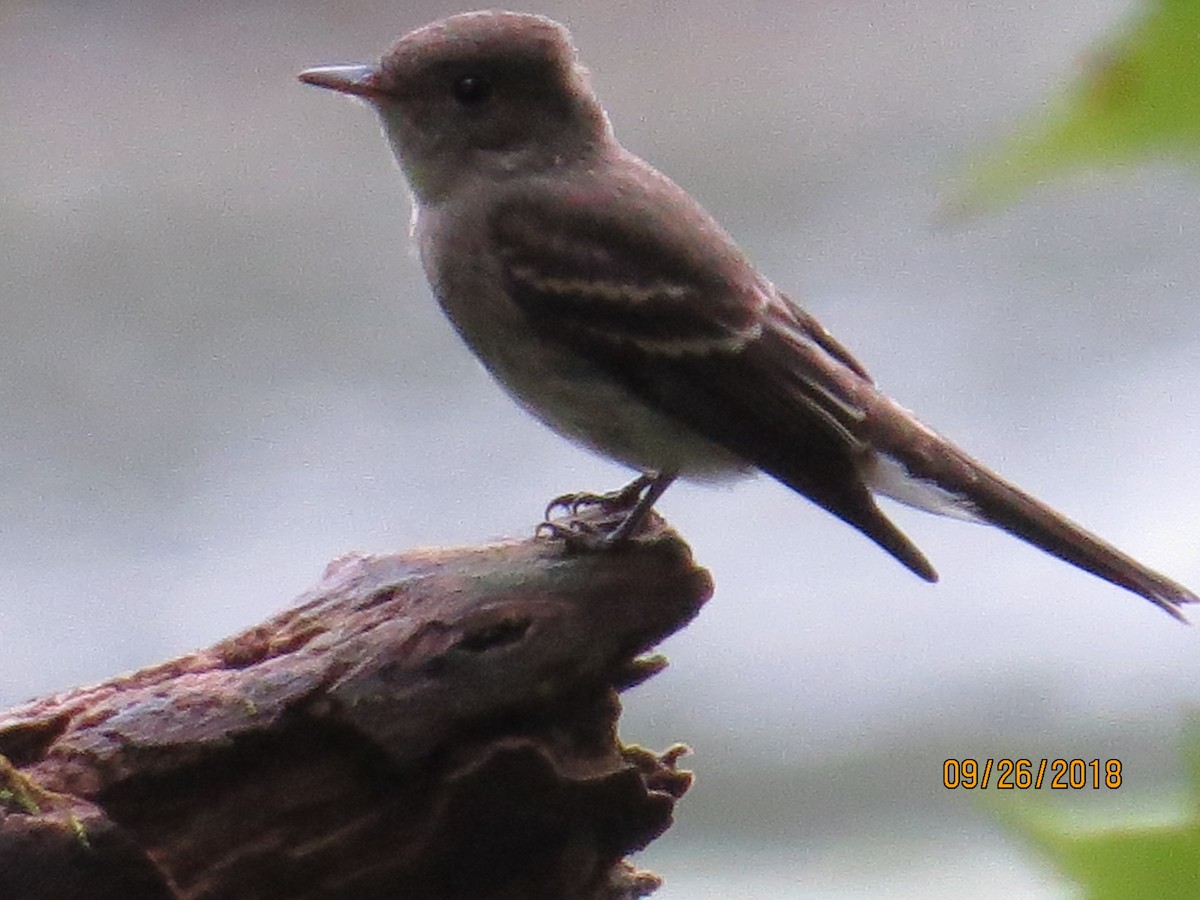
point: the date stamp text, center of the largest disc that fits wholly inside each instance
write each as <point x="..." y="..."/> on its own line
<point x="1028" y="774"/>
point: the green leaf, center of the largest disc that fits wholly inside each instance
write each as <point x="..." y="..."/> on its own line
<point x="1138" y="99"/>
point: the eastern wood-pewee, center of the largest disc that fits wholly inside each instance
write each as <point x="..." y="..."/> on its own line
<point x="617" y="311"/>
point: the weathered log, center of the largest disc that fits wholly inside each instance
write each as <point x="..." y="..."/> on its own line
<point x="436" y="724"/>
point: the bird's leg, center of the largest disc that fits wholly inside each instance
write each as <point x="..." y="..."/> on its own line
<point x="637" y="515"/>
<point x="623" y="512"/>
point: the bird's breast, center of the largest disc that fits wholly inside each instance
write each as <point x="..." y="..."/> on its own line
<point x="557" y="384"/>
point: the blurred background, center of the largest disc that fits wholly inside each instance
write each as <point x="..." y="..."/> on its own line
<point x="220" y="367"/>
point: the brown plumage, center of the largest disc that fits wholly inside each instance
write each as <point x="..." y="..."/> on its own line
<point x="614" y="308"/>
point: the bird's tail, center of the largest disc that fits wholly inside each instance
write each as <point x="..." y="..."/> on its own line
<point x="944" y="479"/>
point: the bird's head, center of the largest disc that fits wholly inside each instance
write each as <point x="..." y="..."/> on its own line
<point x="484" y="92"/>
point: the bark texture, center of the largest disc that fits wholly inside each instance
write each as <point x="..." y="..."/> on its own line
<point x="435" y="724"/>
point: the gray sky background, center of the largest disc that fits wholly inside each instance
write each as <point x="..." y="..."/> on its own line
<point x="220" y="367"/>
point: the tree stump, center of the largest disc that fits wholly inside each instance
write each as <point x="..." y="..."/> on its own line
<point x="435" y="724"/>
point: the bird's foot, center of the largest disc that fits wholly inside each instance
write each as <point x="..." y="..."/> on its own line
<point x="579" y="533"/>
<point x="613" y="502"/>
<point x="604" y="521"/>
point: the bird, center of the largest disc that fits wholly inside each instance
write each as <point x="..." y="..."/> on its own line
<point x="606" y="301"/>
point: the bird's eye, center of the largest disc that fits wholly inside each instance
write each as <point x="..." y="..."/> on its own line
<point x="471" y="90"/>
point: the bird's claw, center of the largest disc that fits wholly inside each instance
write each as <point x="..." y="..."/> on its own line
<point x="573" y="504"/>
<point x="604" y="521"/>
<point x="575" y="532"/>
<point x="568" y="503"/>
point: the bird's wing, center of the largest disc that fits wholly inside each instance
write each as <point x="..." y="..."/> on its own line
<point x="627" y="275"/>
<point x="659" y="297"/>
<point x="581" y="275"/>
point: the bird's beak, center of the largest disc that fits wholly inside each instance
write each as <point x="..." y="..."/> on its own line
<point x="360" y="81"/>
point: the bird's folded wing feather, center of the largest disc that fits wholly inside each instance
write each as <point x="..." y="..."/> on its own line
<point x="670" y="306"/>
